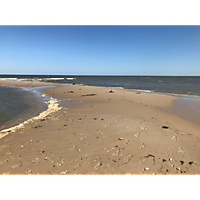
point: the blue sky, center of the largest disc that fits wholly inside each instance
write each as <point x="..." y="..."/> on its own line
<point x="101" y="50"/>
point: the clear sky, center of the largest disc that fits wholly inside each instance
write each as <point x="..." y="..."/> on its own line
<point x="101" y="50"/>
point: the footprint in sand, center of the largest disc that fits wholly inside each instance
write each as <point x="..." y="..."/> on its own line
<point x="174" y="138"/>
<point x="73" y="147"/>
<point x="143" y="128"/>
<point x="137" y="134"/>
<point x="126" y="142"/>
<point x="142" y="146"/>
<point x="14" y="166"/>
<point x="100" y="131"/>
<point x="107" y="125"/>
<point x="83" y="137"/>
<point x="180" y="150"/>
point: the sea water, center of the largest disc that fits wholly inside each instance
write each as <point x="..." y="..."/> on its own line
<point x="18" y="104"/>
<point x="189" y="85"/>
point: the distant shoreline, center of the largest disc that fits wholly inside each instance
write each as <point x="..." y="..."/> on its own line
<point x="25" y="83"/>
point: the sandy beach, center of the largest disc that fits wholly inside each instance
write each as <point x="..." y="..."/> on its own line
<point x="97" y="131"/>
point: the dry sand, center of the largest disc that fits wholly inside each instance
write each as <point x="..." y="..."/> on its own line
<point x="98" y="132"/>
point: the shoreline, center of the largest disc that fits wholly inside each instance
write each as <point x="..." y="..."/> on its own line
<point x="123" y="132"/>
<point x="32" y="99"/>
<point x="52" y="106"/>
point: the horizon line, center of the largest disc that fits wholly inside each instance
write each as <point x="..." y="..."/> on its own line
<point x="57" y="74"/>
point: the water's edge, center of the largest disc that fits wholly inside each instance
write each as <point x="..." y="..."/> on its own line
<point x="52" y="106"/>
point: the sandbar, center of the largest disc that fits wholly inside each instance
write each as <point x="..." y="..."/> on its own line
<point x="103" y="132"/>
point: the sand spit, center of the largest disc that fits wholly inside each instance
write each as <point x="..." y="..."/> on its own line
<point x="52" y="107"/>
<point x="26" y="83"/>
<point x="118" y="132"/>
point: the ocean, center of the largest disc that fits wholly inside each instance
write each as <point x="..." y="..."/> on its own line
<point x="19" y="103"/>
<point x="189" y="85"/>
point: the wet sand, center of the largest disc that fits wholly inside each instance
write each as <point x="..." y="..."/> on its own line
<point x="188" y="108"/>
<point x="99" y="132"/>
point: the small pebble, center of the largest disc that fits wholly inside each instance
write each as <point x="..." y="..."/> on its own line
<point x="146" y="168"/>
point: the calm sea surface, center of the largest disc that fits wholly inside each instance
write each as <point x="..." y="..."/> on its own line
<point x="16" y="104"/>
<point x="19" y="104"/>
